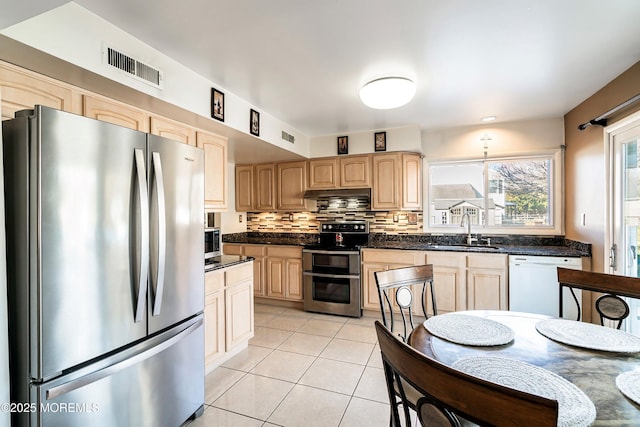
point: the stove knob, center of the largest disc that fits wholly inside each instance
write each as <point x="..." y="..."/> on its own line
<point x="329" y="227"/>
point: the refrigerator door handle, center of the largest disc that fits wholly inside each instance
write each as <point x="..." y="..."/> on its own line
<point x="141" y="175"/>
<point x="85" y="380"/>
<point x="162" y="232"/>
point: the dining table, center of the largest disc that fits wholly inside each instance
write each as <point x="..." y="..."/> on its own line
<point x="594" y="372"/>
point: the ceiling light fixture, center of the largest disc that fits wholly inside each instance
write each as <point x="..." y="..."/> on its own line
<point x="488" y="119"/>
<point x="388" y="92"/>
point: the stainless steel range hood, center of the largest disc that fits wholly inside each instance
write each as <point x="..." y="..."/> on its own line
<point x="343" y="193"/>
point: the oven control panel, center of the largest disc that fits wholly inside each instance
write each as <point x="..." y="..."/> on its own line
<point x="345" y="227"/>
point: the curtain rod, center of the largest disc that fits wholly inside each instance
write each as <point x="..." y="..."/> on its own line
<point x="601" y="120"/>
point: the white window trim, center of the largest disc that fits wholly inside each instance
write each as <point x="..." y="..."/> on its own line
<point x="557" y="201"/>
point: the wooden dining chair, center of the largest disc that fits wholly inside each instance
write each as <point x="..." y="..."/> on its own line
<point x="396" y="293"/>
<point x="449" y="396"/>
<point x="610" y="305"/>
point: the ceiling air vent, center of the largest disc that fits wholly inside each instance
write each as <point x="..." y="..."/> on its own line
<point x="133" y="67"/>
<point x="288" y="137"/>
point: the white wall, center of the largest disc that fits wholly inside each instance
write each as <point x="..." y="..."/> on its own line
<point x="4" y="326"/>
<point x="506" y="139"/>
<point x="72" y="33"/>
<point x="398" y="139"/>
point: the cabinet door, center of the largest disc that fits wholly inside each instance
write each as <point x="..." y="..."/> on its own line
<point x="292" y="183"/>
<point x="115" y="112"/>
<point x="487" y="289"/>
<point x="239" y="313"/>
<point x="214" y="327"/>
<point x="293" y="289"/>
<point x="449" y="281"/>
<point x="171" y="129"/>
<point x="385" y="193"/>
<point x="244" y="188"/>
<point x="411" y="182"/>
<point x="258" y="253"/>
<point x="275" y="277"/>
<point x="370" y="298"/>
<point x="355" y="172"/>
<point x="21" y="89"/>
<point x="215" y="170"/>
<point x="264" y="179"/>
<point x="323" y="174"/>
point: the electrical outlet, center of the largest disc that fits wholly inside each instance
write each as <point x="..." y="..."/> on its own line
<point x="240" y="218"/>
<point x="291" y="217"/>
<point x="395" y="218"/>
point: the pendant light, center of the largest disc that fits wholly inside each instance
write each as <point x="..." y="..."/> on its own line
<point x="388" y="92"/>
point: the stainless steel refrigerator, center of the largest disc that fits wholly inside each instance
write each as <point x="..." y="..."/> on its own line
<point x="105" y="256"/>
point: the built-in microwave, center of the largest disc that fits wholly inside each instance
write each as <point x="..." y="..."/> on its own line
<point x="211" y="242"/>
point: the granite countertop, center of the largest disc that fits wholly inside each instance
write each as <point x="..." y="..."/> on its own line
<point x="556" y="246"/>
<point x="224" y="261"/>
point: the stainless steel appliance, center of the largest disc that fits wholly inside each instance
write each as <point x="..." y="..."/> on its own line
<point x="106" y="286"/>
<point x="332" y="269"/>
<point x="211" y="243"/>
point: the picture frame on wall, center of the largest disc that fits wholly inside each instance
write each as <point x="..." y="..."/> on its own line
<point x="380" y="141"/>
<point x="254" y="122"/>
<point x="343" y="145"/>
<point x="217" y="104"/>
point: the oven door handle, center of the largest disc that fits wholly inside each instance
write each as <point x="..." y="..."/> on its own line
<point x="319" y="251"/>
<point x="332" y="276"/>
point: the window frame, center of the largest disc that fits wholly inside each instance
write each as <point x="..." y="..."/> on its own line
<point x="556" y="198"/>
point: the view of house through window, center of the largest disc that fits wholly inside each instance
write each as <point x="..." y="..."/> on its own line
<point x="495" y="193"/>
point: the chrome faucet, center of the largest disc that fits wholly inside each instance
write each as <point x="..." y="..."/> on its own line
<point x="470" y="239"/>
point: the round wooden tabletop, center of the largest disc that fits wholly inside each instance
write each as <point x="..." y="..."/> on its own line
<point x="594" y="372"/>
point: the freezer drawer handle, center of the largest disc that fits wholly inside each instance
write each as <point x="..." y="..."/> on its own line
<point x="162" y="233"/>
<point x="144" y="233"/>
<point x="68" y="387"/>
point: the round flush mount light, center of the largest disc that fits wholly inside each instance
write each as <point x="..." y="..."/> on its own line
<point x="388" y="92"/>
<point x="488" y="119"/>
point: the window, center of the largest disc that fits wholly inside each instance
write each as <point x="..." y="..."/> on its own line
<point x="498" y="194"/>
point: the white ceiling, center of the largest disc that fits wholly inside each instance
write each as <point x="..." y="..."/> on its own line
<point x="304" y="61"/>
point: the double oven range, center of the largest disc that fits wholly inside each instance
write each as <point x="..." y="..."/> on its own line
<point x="332" y="269"/>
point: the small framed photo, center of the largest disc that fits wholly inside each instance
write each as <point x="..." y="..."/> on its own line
<point x="380" y="141"/>
<point x="217" y="104"/>
<point x="254" y="122"/>
<point x="343" y="145"/>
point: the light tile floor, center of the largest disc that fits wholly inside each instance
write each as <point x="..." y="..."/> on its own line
<point x="300" y="369"/>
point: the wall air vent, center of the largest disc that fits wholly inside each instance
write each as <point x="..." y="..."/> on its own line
<point x="288" y="137"/>
<point x="133" y="67"/>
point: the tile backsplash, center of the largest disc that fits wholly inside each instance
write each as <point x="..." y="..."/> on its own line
<point x="334" y="209"/>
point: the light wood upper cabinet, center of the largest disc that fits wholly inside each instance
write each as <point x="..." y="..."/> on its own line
<point x="323" y="174"/>
<point x="355" y="171"/>
<point x="111" y="111"/>
<point x="264" y="187"/>
<point x="387" y="182"/>
<point x="411" y="181"/>
<point x="215" y="169"/>
<point x="397" y="182"/>
<point x="21" y="89"/>
<point x="292" y="183"/>
<point x="171" y="129"/>
<point x="244" y="188"/>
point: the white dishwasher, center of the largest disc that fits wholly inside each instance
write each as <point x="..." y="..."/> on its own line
<point x="533" y="285"/>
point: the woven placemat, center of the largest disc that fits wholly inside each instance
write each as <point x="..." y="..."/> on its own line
<point x="574" y="407"/>
<point x="469" y="330"/>
<point x="629" y="385"/>
<point x="588" y="335"/>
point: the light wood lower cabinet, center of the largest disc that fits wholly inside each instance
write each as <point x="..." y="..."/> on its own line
<point x="277" y="269"/>
<point x="228" y="313"/>
<point x="487" y="282"/>
<point x="462" y="281"/>
<point x="374" y="260"/>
